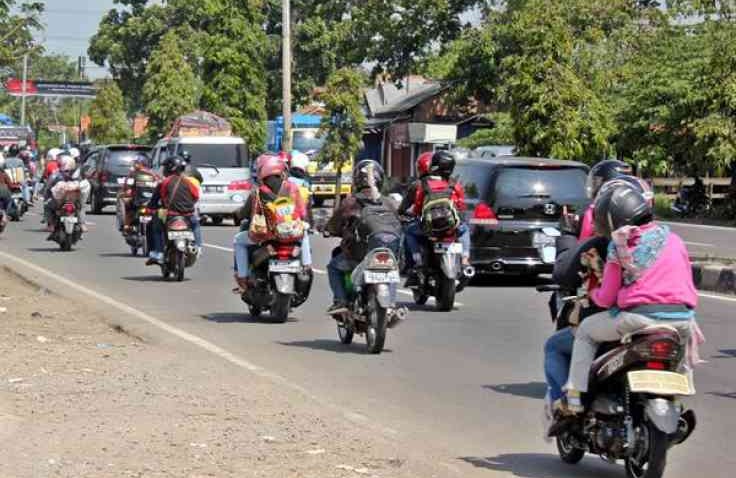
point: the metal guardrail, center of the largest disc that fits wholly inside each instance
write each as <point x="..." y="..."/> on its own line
<point x="716" y="188"/>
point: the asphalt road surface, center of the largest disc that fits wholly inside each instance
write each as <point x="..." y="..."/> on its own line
<point x="468" y="383"/>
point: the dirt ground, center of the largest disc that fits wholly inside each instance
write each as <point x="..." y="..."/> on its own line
<point x="81" y="397"/>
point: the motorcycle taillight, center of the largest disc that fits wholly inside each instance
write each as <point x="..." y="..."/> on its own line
<point x="284" y="252"/>
<point x="69" y="208"/>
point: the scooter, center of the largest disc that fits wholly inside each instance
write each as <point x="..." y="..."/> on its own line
<point x="180" y="250"/>
<point x="67" y="229"/>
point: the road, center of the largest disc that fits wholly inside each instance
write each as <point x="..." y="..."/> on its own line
<point x="702" y="241"/>
<point x="467" y="383"/>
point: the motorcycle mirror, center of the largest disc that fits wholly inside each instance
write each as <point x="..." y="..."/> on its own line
<point x="187" y="156"/>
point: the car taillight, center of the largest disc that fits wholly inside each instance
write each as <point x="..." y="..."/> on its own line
<point x="242" y="185"/>
<point x="69" y="208"/>
<point x="483" y="215"/>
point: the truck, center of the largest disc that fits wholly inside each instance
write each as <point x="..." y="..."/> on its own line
<point x="306" y="139"/>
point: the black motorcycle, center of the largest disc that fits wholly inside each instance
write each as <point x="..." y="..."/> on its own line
<point x="632" y="410"/>
<point x="180" y="250"/>
<point x="67" y="227"/>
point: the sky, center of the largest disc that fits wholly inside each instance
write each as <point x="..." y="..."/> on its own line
<point x="69" y="26"/>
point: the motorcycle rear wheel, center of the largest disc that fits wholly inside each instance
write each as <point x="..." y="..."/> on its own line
<point x="66" y="243"/>
<point x="180" y="266"/>
<point x="281" y="308"/>
<point x="568" y="452"/>
<point x="375" y="334"/>
<point x="445" y="294"/>
<point x="654" y="458"/>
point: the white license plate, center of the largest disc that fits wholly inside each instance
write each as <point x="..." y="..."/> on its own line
<point x="214" y="189"/>
<point x="145" y="219"/>
<point x="121" y="180"/>
<point x="453" y="248"/>
<point x="659" y="382"/>
<point x="373" y="277"/>
<point x="70" y="219"/>
<point x="549" y="254"/>
<point x="173" y="235"/>
<point x="284" y="267"/>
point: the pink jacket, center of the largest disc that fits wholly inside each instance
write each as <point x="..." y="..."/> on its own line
<point x="668" y="280"/>
<point x="587" y="229"/>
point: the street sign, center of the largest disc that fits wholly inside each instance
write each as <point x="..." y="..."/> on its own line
<point x="68" y="89"/>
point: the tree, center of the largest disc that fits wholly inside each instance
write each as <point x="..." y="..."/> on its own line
<point x="500" y="134"/>
<point x="344" y="123"/>
<point x="107" y="115"/>
<point x="171" y="87"/>
<point x="16" y="30"/>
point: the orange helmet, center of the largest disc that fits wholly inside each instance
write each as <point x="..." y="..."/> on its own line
<point x="423" y="163"/>
<point x="270" y="165"/>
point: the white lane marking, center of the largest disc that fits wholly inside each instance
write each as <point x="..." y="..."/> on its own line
<point x="701" y="226"/>
<point x="197" y="341"/>
<point x="319" y="271"/>
<point x="700" y="244"/>
<point x="219" y="248"/>
<point x="717" y="297"/>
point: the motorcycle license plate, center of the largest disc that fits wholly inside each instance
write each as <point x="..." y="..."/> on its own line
<point x="659" y="382"/>
<point x="121" y="180"/>
<point x="374" y="277"/>
<point x="454" y="248"/>
<point x="70" y="219"/>
<point x="285" y="267"/>
<point x="173" y="235"/>
<point x="145" y="219"/>
<point x="549" y="254"/>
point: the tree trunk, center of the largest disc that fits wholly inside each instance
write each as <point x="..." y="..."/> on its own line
<point x="338" y="183"/>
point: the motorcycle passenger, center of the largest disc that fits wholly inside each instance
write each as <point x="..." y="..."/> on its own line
<point x="601" y="173"/>
<point x="15" y="166"/>
<point x="5" y="194"/>
<point x="437" y="184"/>
<point x="273" y="184"/>
<point x="424" y="161"/>
<point x="178" y="195"/>
<point x="299" y="175"/>
<point x="129" y="192"/>
<point x="647" y="280"/>
<point x="59" y="183"/>
<point x="347" y="222"/>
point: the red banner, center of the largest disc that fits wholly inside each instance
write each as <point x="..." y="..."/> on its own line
<point x="71" y="89"/>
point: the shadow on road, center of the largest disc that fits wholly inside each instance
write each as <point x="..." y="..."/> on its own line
<point x="152" y="278"/>
<point x="49" y="249"/>
<point x="528" y="390"/>
<point x="241" y="318"/>
<point x="119" y="254"/>
<point x="509" y="281"/>
<point x="37" y="229"/>
<point x="541" y="465"/>
<point x="723" y="394"/>
<point x="725" y="353"/>
<point x="331" y="346"/>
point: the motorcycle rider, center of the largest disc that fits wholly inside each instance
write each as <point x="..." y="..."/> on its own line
<point x="128" y="192"/>
<point x="273" y="184"/>
<point x="436" y="183"/>
<point x="424" y="161"/>
<point x="647" y="277"/>
<point x="601" y="173"/>
<point x="5" y="194"/>
<point x="368" y="177"/>
<point x="64" y="179"/>
<point x="178" y="195"/>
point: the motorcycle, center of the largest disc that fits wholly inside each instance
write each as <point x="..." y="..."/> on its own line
<point x="137" y="236"/>
<point x="140" y="188"/>
<point x="282" y="283"/>
<point x="18" y="207"/>
<point x="691" y="201"/>
<point x="67" y="229"/>
<point x="443" y="274"/>
<point x="180" y="250"/>
<point x="633" y="410"/>
<point x="372" y="305"/>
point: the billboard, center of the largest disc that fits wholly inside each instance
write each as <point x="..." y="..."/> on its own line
<point x="68" y="89"/>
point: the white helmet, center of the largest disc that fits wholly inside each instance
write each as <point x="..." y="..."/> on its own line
<point x="2" y="161"/>
<point x="53" y="153"/>
<point x="299" y="161"/>
<point x="67" y="163"/>
<point x="74" y="152"/>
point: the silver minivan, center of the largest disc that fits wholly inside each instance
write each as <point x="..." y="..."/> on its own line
<point x="224" y="165"/>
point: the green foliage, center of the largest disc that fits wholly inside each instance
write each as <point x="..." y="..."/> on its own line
<point x="171" y="87"/>
<point x="107" y="115"/>
<point x="16" y="30"/>
<point x="502" y="133"/>
<point x="662" y="205"/>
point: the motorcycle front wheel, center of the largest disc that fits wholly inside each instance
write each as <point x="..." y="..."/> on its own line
<point x="650" y="455"/>
<point x="375" y="334"/>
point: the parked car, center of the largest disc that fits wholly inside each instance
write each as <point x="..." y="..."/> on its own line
<point x="112" y="164"/>
<point x="514" y="207"/>
<point x="224" y="165"/>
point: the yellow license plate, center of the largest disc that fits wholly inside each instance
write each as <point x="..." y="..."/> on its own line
<point x="660" y="383"/>
<point x="324" y="190"/>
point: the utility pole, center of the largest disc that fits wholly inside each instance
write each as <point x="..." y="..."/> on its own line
<point x="23" y="91"/>
<point x="286" y="67"/>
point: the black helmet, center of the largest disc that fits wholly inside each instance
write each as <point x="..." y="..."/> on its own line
<point x="367" y="173"/>
<point x="619" y="207"/>
<point x="603" y="172"/>
<point x="443" y="163"/>
<point x="174" y="164"/>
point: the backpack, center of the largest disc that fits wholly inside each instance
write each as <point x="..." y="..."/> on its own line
<point x="439" y="214"/>
<point x="378" y="226"/>
<point x="280" y="214"/>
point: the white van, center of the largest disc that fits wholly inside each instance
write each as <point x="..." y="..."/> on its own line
<point x="224" y="165"/>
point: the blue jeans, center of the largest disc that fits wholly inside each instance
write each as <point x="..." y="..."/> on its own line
<point x="336" y="270"/>
<point x="157" y="230"/>
<point x="557" y="358"/>
<point x="414" y="238"/>
<point x="241" y="243"/>
<point x="196" y="229"/>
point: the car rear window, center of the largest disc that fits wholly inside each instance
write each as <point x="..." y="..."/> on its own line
<point x="561" y="185"/>
<point x="120" y="162"/>
<point x="218" y="155"/>
<point x="475" y="178"/>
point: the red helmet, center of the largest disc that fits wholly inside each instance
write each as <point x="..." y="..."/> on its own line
<point x="285" y="157"/>
<point x="269" y="165"/>
<point x="423" y="163"/>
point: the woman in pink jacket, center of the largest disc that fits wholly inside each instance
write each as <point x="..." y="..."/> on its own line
<point x="647" y="280"/>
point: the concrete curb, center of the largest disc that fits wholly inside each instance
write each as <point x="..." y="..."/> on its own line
<point x="715" y="277"/>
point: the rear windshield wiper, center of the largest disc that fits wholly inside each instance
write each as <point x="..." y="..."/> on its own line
<point x="540" y="196"/>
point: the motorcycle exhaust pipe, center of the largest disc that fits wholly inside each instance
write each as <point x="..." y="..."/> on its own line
<point x="497" y="266"/>
<point x="469" y="272"/>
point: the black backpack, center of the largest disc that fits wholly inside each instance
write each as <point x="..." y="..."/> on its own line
<point x="439" y="214"/>
<point x="378" y="226"/>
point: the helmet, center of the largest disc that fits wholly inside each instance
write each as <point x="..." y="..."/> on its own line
<point x="423" y="163"/>
<point x="299" y="160"/>
<point x="270" y="166"/>
<point x="604" y="171"/>
<point x="53" y="153"/>
<point x="74" y="152"/>
<point x="619" y="207"/>
<point x="2" y="160"/>
<point x="630" y="181"/>
<point x="367" y="174"/>
<point x="14" y="150"/>
<point x="174" y="165"/>
<point x="443" y="163"/>
<point x="67" y="166"/>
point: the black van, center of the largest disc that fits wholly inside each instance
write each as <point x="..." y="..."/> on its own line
<point x="112" y="165"/>
<point x="514" y="208"/>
